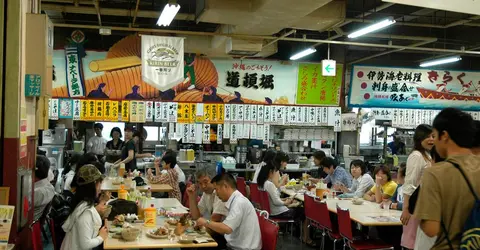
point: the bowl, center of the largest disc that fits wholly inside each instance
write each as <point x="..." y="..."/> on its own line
<point x="130" y="234"/>
<point x="357" y="201"/>
<point x="117" y="180"/>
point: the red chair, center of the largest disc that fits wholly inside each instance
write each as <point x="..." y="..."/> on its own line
<point x="265" y="205"/>
<point x="241" y="186"/>
<point x="51" y="225"/>
<point x="36" y="235"/>
<point x="322" y="217"/>
<point x="254" y="195"/>
<point x="345" y="229"/>
<point x="269" y="230"/>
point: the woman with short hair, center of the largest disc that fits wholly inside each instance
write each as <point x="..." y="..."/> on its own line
<point x="361" y="183"/>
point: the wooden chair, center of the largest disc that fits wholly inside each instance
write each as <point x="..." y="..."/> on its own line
<point x="345" y="229"/>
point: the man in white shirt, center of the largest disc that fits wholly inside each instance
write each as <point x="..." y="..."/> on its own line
<point x="241" y="227"/>
<point x="43" y="191"/>
<point x="97" y="143"/>
<point x="210" y="206"/>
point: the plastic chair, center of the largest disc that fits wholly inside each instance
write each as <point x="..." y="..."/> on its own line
<point x="322" y="217"/>
<point x="241" y="186"/>
<point x="345" y="229"/>
<point x="254" y="195"/>
<point x="269" y="230"/>
<point x="36" y="235"/>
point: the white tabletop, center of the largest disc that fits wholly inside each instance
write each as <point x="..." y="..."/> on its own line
<point x="367" y="214"/>
<point x="145" y="242"/>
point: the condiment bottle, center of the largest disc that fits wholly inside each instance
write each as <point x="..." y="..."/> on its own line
<point x="149" y="192"/>
<point x="150" y="216"/>
<point x="140" y="210"/>
<point x="122" y="193"/>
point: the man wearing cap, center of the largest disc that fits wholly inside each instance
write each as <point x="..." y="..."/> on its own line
<point x="82" y="227"/>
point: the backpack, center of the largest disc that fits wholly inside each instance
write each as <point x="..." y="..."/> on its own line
<point x="471" y="230"/>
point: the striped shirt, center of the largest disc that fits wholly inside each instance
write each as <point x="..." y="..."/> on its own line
<point x="170" y="178"/>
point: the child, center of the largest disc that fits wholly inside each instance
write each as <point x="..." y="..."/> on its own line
<point x="397" y="198"/>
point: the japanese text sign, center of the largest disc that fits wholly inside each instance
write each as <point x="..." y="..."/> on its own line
<point x="384" y="87"/>
<point x="33" y="85"/>
<point x="313" y="88"/>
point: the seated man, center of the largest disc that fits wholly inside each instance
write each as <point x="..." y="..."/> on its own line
<point x="337" y="176"/>
<point x="43" y="191"/>
<point x="241" y="227"/>
<point x="210" y="206"/>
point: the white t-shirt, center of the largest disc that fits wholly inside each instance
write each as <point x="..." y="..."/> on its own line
<point x="68" y="180"/>
<point x="43" y="192"/>
<point x="276" y="204"/>
<point x="210" y="204"/>
<point x="181" y="175"/>
<point x="97" y="145"/>
<point x="243" y="221"/>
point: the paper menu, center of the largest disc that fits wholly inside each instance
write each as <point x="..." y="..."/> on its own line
<point x="219" y="134"/>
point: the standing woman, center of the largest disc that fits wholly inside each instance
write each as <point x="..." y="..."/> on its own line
<point x="417" y="161"/>
<point x="82" y="227"/>
<point x="128" y="151"/>
<point x="114" y="146"/>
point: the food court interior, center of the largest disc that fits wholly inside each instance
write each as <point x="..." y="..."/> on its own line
<point x="216" y="86"/>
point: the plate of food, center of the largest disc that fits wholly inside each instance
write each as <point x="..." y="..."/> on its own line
<point x="159" y="233"/>
<point x="172" y="221"/>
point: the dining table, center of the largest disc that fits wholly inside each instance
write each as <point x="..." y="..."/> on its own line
<point x="144" y="241"/>
<point x="107" y="185"/>
<point x="367" y="214"/>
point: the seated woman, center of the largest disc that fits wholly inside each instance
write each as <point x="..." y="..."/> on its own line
<point x="384" y="187"/>
<point x="362" y="182"/>
<point x="278" y="206"/>
<point x="168" y="176"/>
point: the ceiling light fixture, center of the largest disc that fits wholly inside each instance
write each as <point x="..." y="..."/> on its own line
<point x="372" y="28"/>
<point x="168" y="13"/>
<point x="303" y="53"/>
<point x="440" y="61"/>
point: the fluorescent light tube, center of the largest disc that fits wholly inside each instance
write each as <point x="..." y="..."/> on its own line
<point x="372" y="28"/>
<point x="303" y="53"/>
<point x="440" y="61"/>
<point x="168" y="13"/>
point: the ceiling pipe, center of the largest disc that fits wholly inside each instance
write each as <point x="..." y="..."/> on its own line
<point x="391" y="51"/>
<point x="163" y="31"/>
<point x="97" y="9"/>
<point x="135" y="13"/>
<point x="110" y="11"/>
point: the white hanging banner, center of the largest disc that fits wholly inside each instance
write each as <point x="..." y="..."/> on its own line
<point x="292" y="115"/>
<point x="219" y="133"/>
<point x="318" y="116"/>
<point x="191" y="133"/>
<point x="337" y="115"/>
<point x="305" y="115"/>
<point x="233" y="112"/>
<point x="418" y="116"/>
<point x="171" y="130"/>
<point x="54" y="109"/>
<point x="280" y="113"/>
<point x="226" y="131"/>
<point x="406" y="120"/>
<point x="198" y="133"/>
<point x="273" y="114"/>
<point x="206" y="134"/>
<point x="260" y="114"/>
<point x="401" y="117"/>
<point x="349" y="122"/>
<point x="172" y="111"/>
<point x="228" y="112"/>
<point x="246" y="131"/>
<point x="260" y="132"/>
<point x="395" y="118"/>
<point x="158" y="112"/>
<point x="325" y="116"/>
<point x="299" y="115"/>
<point x="312" y="113"/>
<point x="240" y="112"/>
<point x="234" y="130"/>
<point x="248" y="113"/>
<point x="162" y="61"/>
<point x="185" y="129"/>
<point x="77" y="106"/>
<point x="267" y="114"/>
<point x="254" y="117"/>
<point x="253" y="131"/>
<point x="149" y="111"/>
